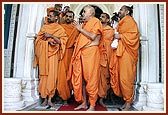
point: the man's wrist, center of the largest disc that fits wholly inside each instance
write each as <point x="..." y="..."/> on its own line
<point x="81" y="30"/>
<point x="52" y="36"/>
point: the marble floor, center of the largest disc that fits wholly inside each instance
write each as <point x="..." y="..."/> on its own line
<point x="112" y="102"/>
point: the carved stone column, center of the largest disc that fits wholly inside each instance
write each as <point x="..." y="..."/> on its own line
<point x="140" y="95"/>
<point x="30" y="91"/>
<point x="149" y="54"/>
<point x="25" y="51"/>
<point x="143" y="62"/>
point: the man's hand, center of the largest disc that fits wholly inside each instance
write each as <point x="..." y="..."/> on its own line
<point x="52" y="43"/>
<point x="77" y="25"/>
<point x="46" y="35"/>
<point x="117" y="36"/>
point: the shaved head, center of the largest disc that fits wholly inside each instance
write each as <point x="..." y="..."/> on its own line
<point x="90" y="9"/>
<point x="88" y="12"/>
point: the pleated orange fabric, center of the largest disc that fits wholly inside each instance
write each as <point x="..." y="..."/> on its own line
<point x="105" y="54"/>
<point x="47" y="58"/>
<point x="124" y="59"/>
<point x="72" y="34"/>
<point x="63" y="86"/>
<point x="85" y="62"/>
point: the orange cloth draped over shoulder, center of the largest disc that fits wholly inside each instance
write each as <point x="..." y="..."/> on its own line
<point x="105" y="54"/>
<point x="124" y="59"/>
<point x="47" y="58"/>
<point x="72" y="34"/>
<point x="85" y="62"/>
<point x="64" y="88"/>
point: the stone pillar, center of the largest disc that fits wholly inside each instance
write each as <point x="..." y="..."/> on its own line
<point x="142" y="66"/>
<point x="155" y="97"/>
<point x="162" y="13"/>
<point x="23" y="66"/>
<point x="13" y="99"/>
<point x="30" y="91"/>
<point x="149" y="54"/>
<point x="140" y="95"/>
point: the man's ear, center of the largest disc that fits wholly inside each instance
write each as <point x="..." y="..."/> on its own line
<point x="108" y="20"/>
<point x="127" y="12"/>
<point x="56" y="18"/>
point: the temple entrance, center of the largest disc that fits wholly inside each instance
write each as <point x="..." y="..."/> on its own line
<point x="10" y="30"/>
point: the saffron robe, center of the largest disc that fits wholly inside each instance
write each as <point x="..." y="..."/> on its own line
<point x="85" y="63"/>
<point x="124" y="59"/>
<point x="105" y="53"/>
<point x="72" y="34"/>
<point x="47" y="58"/>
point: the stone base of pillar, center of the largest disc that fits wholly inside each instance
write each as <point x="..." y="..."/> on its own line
<point x="140" y="97"/>
<point x="146" y="108"/>
<point x="30" y="95"/>
<point x="10" y="106"/>
<point x="155" y="97"/>
<point x="12" y="94"/>
<point x="30" y="91"/>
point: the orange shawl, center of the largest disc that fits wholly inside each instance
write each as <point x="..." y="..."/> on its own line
<point x="105" y="53"/>
<point x="105" y="48"/>
<point x="43" y="50"/>
<point x="47" y="57"/>
<point x="127" y="51"/>
<point x="75" y="72"/>
<point x="72" y="34"/>
<point x="63" y="87"/>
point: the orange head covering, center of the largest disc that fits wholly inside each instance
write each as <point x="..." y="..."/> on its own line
<point x="49" y="9"/>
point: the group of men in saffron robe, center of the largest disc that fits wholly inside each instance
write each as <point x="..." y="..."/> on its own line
<point x="77" y="58"/>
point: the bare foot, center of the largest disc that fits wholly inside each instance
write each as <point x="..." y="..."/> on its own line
<point x="65" y="103"/>
<point x="81" y="106"/>
<point x="51" y="104"/>
<point x="101" y="102"/>
<point x="123" y="106"/>
<point x="91" y="108"/>
<point x="44" y="103"/>
<point x="127" y="107"/>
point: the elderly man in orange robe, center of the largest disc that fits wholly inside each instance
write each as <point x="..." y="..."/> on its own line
<point x="124" y="58"/>
<point x="105" y="53"/>
<point x="84" y="71"/>
<point x="49" y="50"/>
<point x="72" y="34"/>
